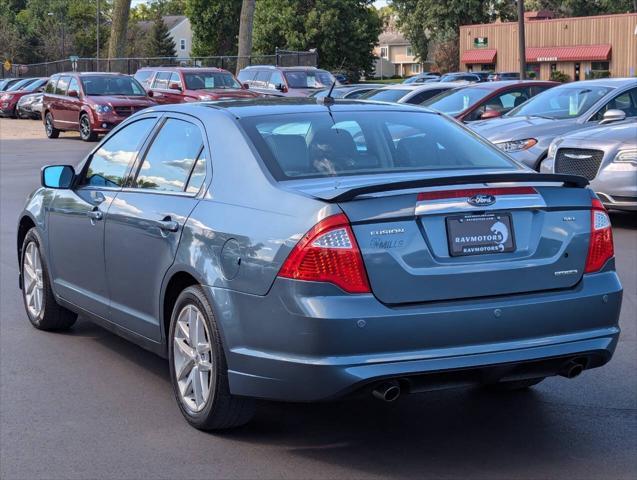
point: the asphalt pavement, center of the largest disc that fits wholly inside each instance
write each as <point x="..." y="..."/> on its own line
<point x="87" y="404"/>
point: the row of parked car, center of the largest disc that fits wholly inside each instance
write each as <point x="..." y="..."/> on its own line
<point x="473" y="77"/>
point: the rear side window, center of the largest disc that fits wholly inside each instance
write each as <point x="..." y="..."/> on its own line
<point x="62" y="85"/>
<point x="109" y="164"/>
<point x="171" y="157"/>
<point x="372" y="142"/>
<point x="50" y="86"/>
<point x="161" y="80"/>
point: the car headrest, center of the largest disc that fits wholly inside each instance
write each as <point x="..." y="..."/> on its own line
<point x="291" y="153"/>
<point x="519" y="100"/>
<point x="333" y="150"/>
<point x="417" y="152"/>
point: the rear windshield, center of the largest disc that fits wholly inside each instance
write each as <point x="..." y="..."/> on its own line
<point x="455" y="101"/>
<point x="111" y="85"/>
<point x="386" y="94"/>
<point x="561" y="102"/>
<point x="308" y="145"/>
<point x="309" y="79"/>
<point x="208" y="80"/>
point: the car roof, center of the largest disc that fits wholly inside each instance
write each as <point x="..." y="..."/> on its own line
<point x="286" y="105"/>
<point x="422" y="86"/>
<point x="185" y="69"/>
<point x="508" y="83"/>
<point x="86" y="74"/>
<point x="275" y="67"/>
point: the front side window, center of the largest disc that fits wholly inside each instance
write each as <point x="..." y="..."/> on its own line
<point x="161" y="80"/>
<point x="626" y="102"/>
<point x="210" y="80"/>
<point x="568" y="101"/>
<point x="501" y="103"/>
<point x="381" y="142"/>
<point x="171" y="157"/>
<point x="175" y="80"/>
<point x="276" y="79"/>
<point x="109" y="164"/>
<point x="73" y="85"/>
<point x="111" y="85"/>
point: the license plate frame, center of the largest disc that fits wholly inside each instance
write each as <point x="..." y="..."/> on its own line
<point x="483" y="237"/>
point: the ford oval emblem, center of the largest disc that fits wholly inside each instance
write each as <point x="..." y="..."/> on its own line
<point x="481" y="200"/>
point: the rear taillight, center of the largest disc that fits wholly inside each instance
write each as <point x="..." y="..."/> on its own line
<point x="328" y="253"/>
<point x="600" y="248"/>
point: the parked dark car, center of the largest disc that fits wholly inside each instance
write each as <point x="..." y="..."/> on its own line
<point x="494" y="77"/>
<point x="423" y="78"/>
<point x="182" y="84"/>
<point x="286" y="81"/>
<point x="91" y="103"/>
<point x="9" y="99"/>
<point x="486" y="100"/>
<point x="415" y="93"/>
<point x="290" y="250"/>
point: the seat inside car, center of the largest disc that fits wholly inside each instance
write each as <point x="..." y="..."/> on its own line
<point x="291" y="153"/>
<point x="333" y="149"/>
<point x="417" y="151"/>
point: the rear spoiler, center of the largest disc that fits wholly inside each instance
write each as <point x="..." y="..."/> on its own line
<point x="571" y="181"/>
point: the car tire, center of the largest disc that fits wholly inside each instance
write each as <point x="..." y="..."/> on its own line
<point x="39" y="301"/>
<point x="513" y="385"/>
<point x="86" y="132"/>
<point x="217" y="408"/>
<point x="51" y="131"/>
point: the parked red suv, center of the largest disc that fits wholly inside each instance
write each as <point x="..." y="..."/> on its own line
<point x="91" y="103"/>
<point x="191" y="84"/>
<point x="9" y="99"/>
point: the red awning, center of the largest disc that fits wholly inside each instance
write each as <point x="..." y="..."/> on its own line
<point x="568" y="54"/>
<point x="479" y="55"/>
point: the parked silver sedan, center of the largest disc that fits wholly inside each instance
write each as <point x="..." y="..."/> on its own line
<point x="606" y="156"/>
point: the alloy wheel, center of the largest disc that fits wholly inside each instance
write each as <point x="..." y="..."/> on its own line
<point x="85" y="127"/>
<point x="48" y="125"/>
<point x="33" y="282"/>
<point x="192" y="358"/>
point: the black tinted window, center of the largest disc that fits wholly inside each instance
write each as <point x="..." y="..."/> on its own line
<point x="170" y="158"/>
<point x="110" y="162"/>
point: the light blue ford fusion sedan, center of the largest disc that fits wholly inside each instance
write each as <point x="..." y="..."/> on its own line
<point x="305" y="250"/>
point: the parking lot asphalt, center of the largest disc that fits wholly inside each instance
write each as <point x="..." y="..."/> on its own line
<point x="87" y="404"/>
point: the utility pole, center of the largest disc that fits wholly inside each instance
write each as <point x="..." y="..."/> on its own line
<point x="97" y="30"/>
<point x="521" y="40"/>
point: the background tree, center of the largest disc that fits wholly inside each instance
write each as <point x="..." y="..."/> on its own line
<point x="214" y="26"/>
<point x="119" y="25"/>
<point x="245" y="33"/>
<point x="160" y="43"/>
<point x="344" y="31"/>
<point x="146" y="11"/>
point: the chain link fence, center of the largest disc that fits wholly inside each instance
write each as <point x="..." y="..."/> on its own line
<point x="284" y="58"/>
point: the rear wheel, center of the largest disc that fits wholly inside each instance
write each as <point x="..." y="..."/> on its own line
<point x="513" y="385"/>
<point x="198" y="369"/>
<point x="50" y="130"/>
<point x="39" y="302"/>
<point x="86" y="132"/>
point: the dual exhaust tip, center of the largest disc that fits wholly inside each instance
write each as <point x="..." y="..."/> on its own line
<point x="390" y="390"/>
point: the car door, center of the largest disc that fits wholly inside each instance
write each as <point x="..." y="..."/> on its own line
<point x="77" y="217"/>
<point x="73" y="104"/>
<point x="59" y="107"/>
<point x="145" y="223"/>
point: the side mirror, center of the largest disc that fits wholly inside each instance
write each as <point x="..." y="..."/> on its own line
<point x="73" y="93"/>
<point x="57" y="176"/>
<point x="281" y="88"/>
<point x="613" y="115"/>
<point x="490" y="114"/>
<point x="174" y="86"/>
<point x="246" y="86"/>
<point x="150" y="93"/>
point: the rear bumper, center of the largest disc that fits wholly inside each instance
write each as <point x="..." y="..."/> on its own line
<point x="293" y="346"/>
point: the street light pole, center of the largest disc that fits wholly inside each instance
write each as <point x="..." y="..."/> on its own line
<point x="521" y="40"/>
<point x="97" y="30"/>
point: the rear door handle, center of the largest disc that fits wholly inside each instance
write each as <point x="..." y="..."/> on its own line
<point x="168" y="225"/>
